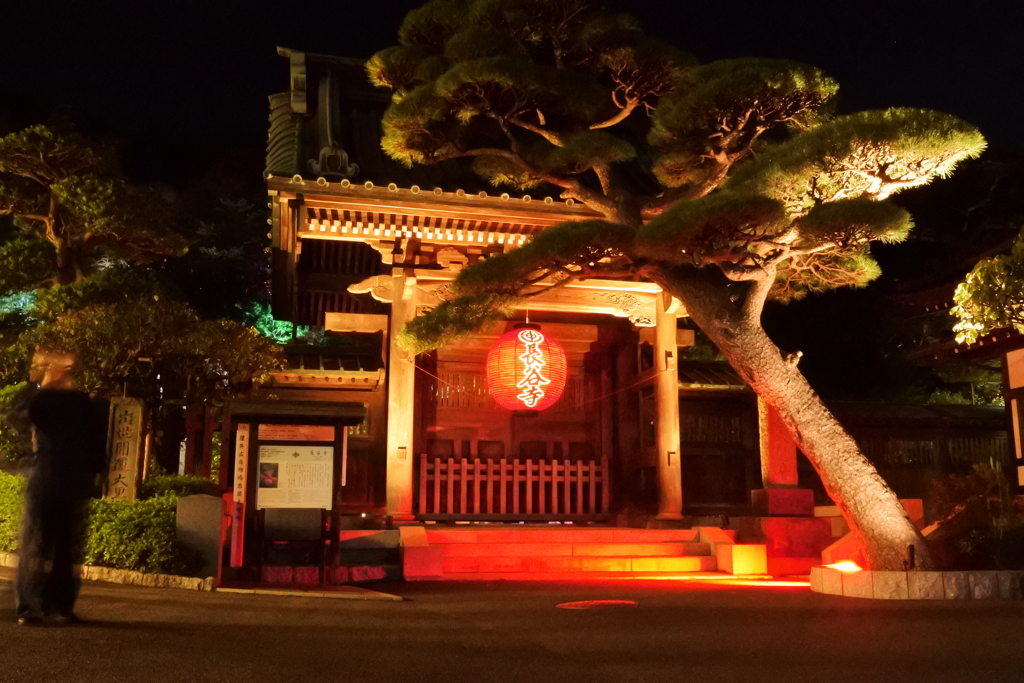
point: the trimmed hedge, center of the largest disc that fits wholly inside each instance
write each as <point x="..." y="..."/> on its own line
<point x="123" y="534"/>
<point x="178" y="485"/>
<point x="12" y="506"/>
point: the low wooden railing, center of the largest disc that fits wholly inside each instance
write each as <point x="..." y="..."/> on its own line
<point x="512" y="489"/>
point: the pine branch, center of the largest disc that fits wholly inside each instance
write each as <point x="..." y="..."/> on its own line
<point x="573" y="188"/>
<point x="623" y="114"/>
<point x="551" y="136"/>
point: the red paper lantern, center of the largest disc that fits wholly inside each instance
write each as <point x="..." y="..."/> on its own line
<point x="526" y="370"/>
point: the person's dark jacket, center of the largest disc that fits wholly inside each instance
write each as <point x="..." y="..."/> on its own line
<point x="71" y="448"/>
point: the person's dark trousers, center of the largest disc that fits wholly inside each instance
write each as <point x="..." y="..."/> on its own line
<point x="46" y="582"/>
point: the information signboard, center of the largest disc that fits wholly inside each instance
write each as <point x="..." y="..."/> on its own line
<point x="269" y="432"/>
<point x="295" y="477"/>
<point x="241" y="480"/>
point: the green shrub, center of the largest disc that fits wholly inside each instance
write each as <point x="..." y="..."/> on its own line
<point x="12" y="504"/>
<point x="15" y="434"/>
<point x="982" y="524"/>
<point x="177" y="485"/>
<point x="136" y="534"/>
<point x="123" y="534"/>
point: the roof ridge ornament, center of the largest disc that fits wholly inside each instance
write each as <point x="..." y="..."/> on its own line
<point x="333" y="160"/>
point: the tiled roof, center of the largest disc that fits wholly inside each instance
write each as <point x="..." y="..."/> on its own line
<point x="709" y="375"/>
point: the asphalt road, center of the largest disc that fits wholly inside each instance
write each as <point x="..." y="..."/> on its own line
<point x="678" y="632"/>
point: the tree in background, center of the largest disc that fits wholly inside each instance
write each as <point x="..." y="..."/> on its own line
<point x="727" y="184"/>
<point x="991" y="296"/>
<point x="94" y="265"/>
<point x="73" y="209"/>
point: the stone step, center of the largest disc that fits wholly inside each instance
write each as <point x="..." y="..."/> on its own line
<point x="559" y="535"/>
<point x="575" y="576"/>
<point x="792" y="566"/>
<point x="669" y="549"/>
<point x="580" y="565"/>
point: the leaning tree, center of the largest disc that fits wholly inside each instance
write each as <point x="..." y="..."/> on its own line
<point x="727" y="184"/>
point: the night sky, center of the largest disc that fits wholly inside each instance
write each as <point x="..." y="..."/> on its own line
<point x="182" y="82"/>
<point x="183" y="85"/>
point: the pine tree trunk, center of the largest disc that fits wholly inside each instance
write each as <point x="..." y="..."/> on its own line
<point x="869" y="506"/>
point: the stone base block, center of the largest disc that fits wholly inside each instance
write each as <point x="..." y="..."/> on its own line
<point x="858" y="585"/>
<point x="337" y="575"/>
<point x="778" y="502"/>
<point x="367" y="573"/>
<point x="984" y="585"/>
<point x="791" y="566"/>
<point x="839" y="526"/>
<point x="831" y="581"/>
<point x="925" y="586"/>
<point x="422" y="562"/>
<point x="817" y="579"/>
<point x="1010" y="585"/>
<point x="956" y="585"/>
<point x="889" y="585"/>
<point x="306" y="576"/>
<point x="742" y="559"/>
<point x="277" y="574"/>
<point x="915" y="510"/>
<point x="785" y="536"/>
<point x="918" y="585"/>
<point x="846" y="549"/>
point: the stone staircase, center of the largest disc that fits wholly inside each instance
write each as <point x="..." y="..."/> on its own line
<point x="548" y="553"/>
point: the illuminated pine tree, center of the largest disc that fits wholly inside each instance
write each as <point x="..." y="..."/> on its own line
<point x="728" y="184"/>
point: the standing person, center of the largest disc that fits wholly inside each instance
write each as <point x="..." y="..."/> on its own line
<point x="69" y="437"/>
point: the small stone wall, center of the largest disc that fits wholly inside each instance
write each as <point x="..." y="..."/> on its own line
<point x="130" y="578"/>
<point x="918" y="585"/>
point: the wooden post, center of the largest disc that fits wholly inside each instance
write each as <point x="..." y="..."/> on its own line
<point x="226" y="431"/>
<point x="240" y="489"/>
<point x="423" y="483"/>
<point x="401" y="390"/>
<point x="193" y="437"/>
<point x="209" y="427"/>
<point x="666" y="398"/>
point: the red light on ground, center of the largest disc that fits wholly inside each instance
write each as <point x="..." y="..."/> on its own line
<point x="846" y="566"/>
<point x="596" y="604"/>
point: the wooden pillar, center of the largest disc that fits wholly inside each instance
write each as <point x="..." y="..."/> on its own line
<point x="666" y="397"/>
<point x="193" y="437"/>
<point x="604" y="390"/>
<point x="401" y="403"/>
<point x="209" y="427"/>
<point x="226" y="434"/>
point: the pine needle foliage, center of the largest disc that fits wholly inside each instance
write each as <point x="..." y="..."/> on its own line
<point x="755" y="175"/>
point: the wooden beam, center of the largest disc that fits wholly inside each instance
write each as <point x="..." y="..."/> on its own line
<point x="355" y="322"/>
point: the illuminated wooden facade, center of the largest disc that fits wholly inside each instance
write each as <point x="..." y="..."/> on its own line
<point x="361" y="246"/>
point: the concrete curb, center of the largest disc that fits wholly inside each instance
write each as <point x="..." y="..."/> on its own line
<point x="919" y="585"/>
<point x="130" y="578"/>
<point x="339" y="593"/>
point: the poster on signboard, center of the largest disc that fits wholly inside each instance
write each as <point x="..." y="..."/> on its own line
<point x="273" y="432"/>
<point x="295" y="477"/>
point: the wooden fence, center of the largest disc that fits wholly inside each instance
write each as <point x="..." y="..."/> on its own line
<point x="513" y="489"/>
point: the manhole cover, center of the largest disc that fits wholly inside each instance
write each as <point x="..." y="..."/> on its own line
<point x="596" y="604"/>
